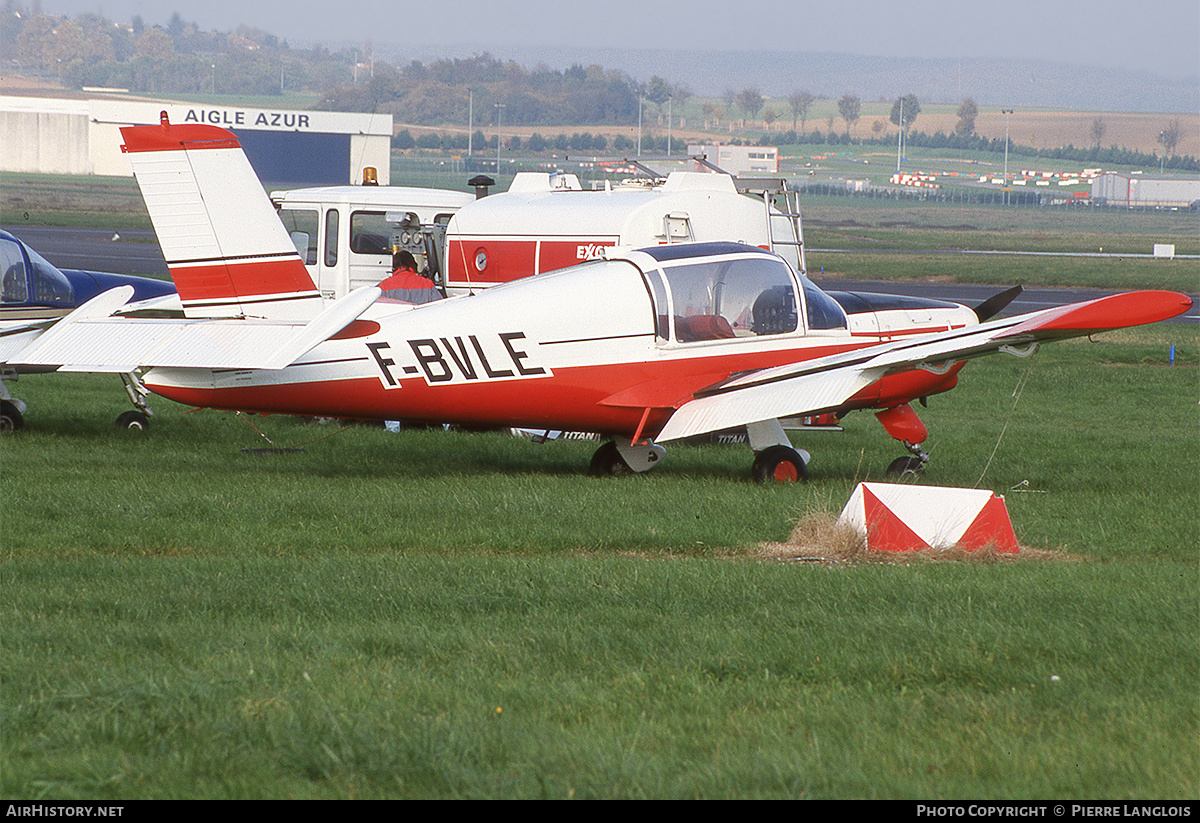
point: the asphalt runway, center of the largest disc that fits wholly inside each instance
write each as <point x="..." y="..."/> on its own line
<point x="136" y="252"/>
<point x="120" y="251"/>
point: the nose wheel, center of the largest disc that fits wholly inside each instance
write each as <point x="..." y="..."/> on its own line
<point x="909" y="467"/>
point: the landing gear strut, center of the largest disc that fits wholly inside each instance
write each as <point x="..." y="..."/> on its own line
<point x="909" y="467"/>
<point x="774" y="458"/>
<point x="903" y="424"/>
<point x="138" y="419"/>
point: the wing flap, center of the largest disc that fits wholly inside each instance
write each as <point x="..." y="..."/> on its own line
<point x="804" y="394"/>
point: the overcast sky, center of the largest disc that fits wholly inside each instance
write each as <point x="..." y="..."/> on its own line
<point x="1162" y="36"/>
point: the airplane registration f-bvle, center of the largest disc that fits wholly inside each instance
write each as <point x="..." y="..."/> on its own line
<point x="645" y="347"/>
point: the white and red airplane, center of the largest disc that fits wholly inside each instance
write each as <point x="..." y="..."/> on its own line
<point x="645" y="347"/>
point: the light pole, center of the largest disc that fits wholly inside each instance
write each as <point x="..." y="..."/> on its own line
<point x="499" y="118"/>
<point x="1006" y="113"/>
<point x="670" y="116"/>
<point x="639" y="146"/>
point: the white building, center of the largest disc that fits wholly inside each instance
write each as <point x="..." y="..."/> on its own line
<point x="82" y="136"/>
<point x="739" y="160"/>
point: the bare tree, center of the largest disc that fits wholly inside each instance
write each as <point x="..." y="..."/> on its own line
<point x="800" y="101"/>
<point x="750" y="101"/>
<point x="849" y="107"/>
<point x="1170" y="136"/>
<point x="967" y="112"/>
<point x="1098" y="129"/>
<point x="905" y="110"/>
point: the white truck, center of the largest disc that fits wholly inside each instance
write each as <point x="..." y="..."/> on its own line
<point x="346" y="234"/>
<point x="544" y="222"/>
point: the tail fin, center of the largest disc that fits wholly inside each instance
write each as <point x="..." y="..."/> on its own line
<point x="226" y="248"/>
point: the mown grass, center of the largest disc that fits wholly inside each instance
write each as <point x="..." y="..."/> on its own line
<point x="71" y="200"/>
<point x="507" y="676"/>
<point x="1115" y="273"/>
<point x="869" y="224"/>
<point x="433" y="614"/>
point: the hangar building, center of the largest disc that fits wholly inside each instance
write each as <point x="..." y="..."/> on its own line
<point x="81" y="136"/>
<point x="1139" y="192"/>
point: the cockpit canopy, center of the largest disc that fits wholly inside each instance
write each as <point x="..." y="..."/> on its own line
<point x="715" y="291"/>
<point x="30" y="278"/>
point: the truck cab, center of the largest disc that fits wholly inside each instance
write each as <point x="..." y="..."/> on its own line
<point x="346" y="234"/>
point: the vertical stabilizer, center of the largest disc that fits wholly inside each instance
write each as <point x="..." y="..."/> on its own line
<point x="225" y="246"/>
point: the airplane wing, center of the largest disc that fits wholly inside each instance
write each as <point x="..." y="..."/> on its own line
<point x="824" y="384"/>
<point x="92" y="339"/>
<point x="14" y="338"/>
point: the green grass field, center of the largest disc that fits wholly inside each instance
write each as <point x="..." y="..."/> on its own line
<point x="429" y="614"/>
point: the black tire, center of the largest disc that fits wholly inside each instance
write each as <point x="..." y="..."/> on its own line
<point x="779" y="464"/>
<point x="607" y="462"/>
<point x="11" y="419"/>
<point x="133" y="421"/>
<point x="906" y="467"/>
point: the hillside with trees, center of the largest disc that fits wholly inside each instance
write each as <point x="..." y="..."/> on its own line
<point x="440" y="97"/>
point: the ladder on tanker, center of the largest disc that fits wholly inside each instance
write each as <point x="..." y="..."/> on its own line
<point x="781" y="208"/>
<point x="781" y="202"/>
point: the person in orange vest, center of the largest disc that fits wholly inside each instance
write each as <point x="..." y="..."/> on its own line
<point x="405" y="284"/>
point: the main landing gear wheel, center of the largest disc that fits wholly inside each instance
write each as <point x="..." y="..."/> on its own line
<point x="607" y="462"/>
<point x="133" y="421"/>
<point x="619" y="456"/>
<point x="779" y="464"/>
<point x="11" y="419"/>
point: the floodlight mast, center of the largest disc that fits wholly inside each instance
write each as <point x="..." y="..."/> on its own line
<point x="1006" y="113"/>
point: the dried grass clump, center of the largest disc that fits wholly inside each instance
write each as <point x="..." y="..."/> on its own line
<point x="819" y="537"/>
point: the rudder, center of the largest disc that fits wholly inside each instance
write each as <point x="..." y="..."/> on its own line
<point x="225" y="246"/>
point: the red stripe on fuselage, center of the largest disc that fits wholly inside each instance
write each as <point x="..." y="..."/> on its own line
<point x="579" y="398"/>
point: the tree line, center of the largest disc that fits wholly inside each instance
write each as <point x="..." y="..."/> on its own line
<point x="90" y="50"/>
<point x="179" y="58"/>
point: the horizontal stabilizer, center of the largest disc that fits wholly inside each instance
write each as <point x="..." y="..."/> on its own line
<point x="328" y="323"/>
<point x="90" y="339"/>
